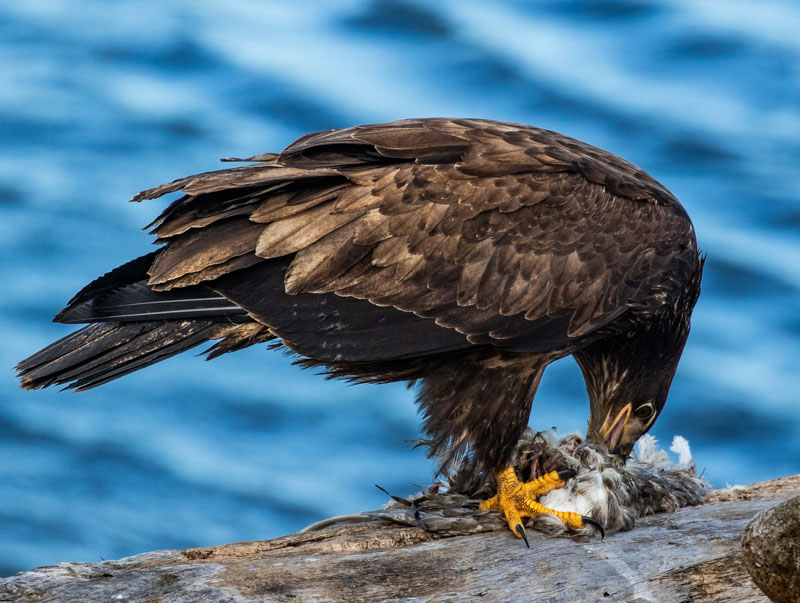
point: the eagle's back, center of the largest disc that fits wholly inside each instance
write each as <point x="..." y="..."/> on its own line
<point x="409" y="239"/>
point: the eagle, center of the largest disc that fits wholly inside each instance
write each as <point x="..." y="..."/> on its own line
<point x="462" y="255"/>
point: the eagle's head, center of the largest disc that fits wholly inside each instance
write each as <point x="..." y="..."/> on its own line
<point x="628" y="375"/>
<point x="627" y="405"/>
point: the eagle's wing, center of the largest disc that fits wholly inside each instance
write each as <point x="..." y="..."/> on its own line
<point x="452" y="233"/>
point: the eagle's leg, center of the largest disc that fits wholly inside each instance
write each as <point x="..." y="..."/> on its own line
<point x="518" y="500"/>
<point x="484" y="401"/>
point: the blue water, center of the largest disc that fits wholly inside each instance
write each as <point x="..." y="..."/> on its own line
<point x="99" y="100"/>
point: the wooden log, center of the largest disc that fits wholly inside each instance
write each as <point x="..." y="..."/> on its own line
<point x="692" y="554"/>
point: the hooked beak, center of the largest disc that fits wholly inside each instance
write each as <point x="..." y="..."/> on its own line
<point x="611" y="431"/>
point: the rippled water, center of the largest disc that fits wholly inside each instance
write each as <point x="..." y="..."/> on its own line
<point x="99" y="100"/>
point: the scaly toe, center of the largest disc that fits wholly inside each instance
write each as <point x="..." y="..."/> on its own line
<point x="517" y="500"/>
<point x="491" y="503"/>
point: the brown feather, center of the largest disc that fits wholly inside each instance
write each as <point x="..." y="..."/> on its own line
<point x="292" y="200"/>
<point x="200" y="249"/>
<point x="316" y="266"/>
<point x="300" y="230"/>
<point x="209" y="273"/>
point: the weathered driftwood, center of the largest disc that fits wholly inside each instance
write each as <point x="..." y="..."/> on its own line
<point x="693" y="554"/>
<point x="771" y="545"/>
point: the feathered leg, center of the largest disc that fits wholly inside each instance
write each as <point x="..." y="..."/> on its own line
<point x="480" y="406"/>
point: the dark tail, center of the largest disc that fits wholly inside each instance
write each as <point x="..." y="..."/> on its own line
<point x="101" y="352"/>
<point x="135" y="327"/>
<point x="123" y="295"/>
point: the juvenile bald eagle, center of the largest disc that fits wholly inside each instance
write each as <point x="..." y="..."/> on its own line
<point x="466" y="254"/>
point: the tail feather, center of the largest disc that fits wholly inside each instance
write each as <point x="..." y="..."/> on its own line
<point x="99" y="353"/>
<point x="123" y="295"/>
<point x="132" y="326"/>
<point x="133" y="362"/>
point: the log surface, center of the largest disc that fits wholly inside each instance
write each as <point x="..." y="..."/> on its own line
<point x="693" y="554"/>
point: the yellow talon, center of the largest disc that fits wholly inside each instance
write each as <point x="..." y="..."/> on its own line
<point x="517" y="500"/>
<point x="542" y="485"/>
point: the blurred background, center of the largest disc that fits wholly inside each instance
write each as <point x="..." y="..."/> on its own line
<point x="99" y="100"/>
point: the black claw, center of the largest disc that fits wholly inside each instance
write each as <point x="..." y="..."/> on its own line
<point x="566" y="474"/>
<point x="521" y="531"/>
<point x="595" y="524"/>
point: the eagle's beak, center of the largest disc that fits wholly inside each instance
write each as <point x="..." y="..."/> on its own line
<point x="611" y="431"/>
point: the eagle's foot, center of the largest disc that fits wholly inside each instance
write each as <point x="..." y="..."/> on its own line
<point x="518" y="500"/>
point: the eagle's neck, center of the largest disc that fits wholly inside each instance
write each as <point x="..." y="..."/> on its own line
<point x="636" y="359"/>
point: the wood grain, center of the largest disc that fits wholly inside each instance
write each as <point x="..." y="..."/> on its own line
<point x="693" y="554"/>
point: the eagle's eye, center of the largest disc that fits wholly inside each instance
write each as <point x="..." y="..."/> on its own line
<point x="645" y="411"/>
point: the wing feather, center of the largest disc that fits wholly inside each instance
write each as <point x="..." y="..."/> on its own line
<point x="297" y="232"/>
<point x="511" y="235"/>
<point x="322" y="262"/>
<point x="197" y="250"/>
